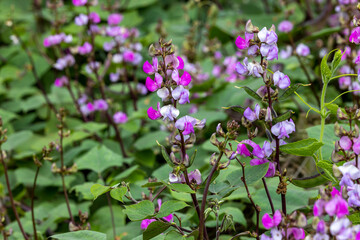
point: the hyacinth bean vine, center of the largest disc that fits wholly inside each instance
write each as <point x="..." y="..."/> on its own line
<point x="136" y="148"/>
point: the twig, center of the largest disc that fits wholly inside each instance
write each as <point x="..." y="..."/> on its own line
<point x="32" y="203"/>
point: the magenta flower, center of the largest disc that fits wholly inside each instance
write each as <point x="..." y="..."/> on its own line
<point x="151" y="69"/>
<point x="242" y="150"/>
<point x="154" y="114"/>
<point x="100" y="105"/>
<point x="296" y="233"/>
<point x="61" y="81"/>
<point x="251" y="115"/>
<point x="181" y="94"/>
<point x="187" y="124"/>
<point x="120" y="117"/>
<point x="154" y="85"/>
<point x="184" y="80"/>
<point x="337" y="206"/>
<point x="66" y="61"/>
<point x="195" y="176"/>
<point x="356" y="146"/>
<point x="129" y="56"/>
<point x="85" y="49"/>
<point x="271" y="170"/>
<point x="181" y="63"/>
<point x="81" y="20"/>
<point x="355" y="36"/>
<point x="302" y="50"/>
<point x="285" y="26"/>
<point x="79" y="2"/>
<point x="146" y="222"/>
<point x="281" y="80"/>
<point x="271" y="222"/>
<point x="283" y="129"/>
<point x="90" y="107"/>
<point x="318" y="208"/>
<point x="242" y="43"/>
<point x="115" y="19"/>
<point x="94" y="17"/>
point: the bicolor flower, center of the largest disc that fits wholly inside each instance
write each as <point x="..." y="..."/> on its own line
<point x="154" y="114"/>
<point x="271" y="169"/>
<point x="120" y="117"/>
<point x="100" y="105"/>
<point x="163" y="93"/>
<point x="271" y="222"/>
<point x="281" y="80"/>
<point x="195" y="176"/>
<point x="151" y="69"/>
<point x="86" y="48"/>
<point x="61" y="81"/>
<point x="184" y="80"/>
<point x="269" y="51"/>
<point x="337" y="206"/>
<point x="268" y="37"/>
<point x="283" y="129"/>
<point x="242" y="43"/>
<point x="169" y="112"/>
<point x="251" y="115"/>
<point x="355" y="36"/>
<point x="153" y="85"/>
<point x="182" y="94"/>
<point x="188" y="123"/>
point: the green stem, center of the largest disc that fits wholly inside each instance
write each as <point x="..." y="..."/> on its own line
<point x="323" y="116"/>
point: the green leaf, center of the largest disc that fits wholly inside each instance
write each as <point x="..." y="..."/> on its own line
<point x="236" y="213"/>
<point x="149" y="140"/>
<point x="336" y="61"/>
<point x="252" y="174"/>
<point x="140" y="211"/>
<point x="154" y="229"/>
<point x="306" y="147"/>
<point x="98" y="159"/>
<point x="169" y="207"/>
<point x="238" y="109"/>
<point x="152" y="184"/>
<point x="327" y="166"/>
<point x="192" y="158"/>
<point x="98" y="189"/>
<point x="179" y="187"/>
<point x="354" y="218"/>
<point x="325" y="69"/>
<point x="17" y="139"/>
<point x="310" y="182"/>
<point x="283" y="117"/>
<point x="118" y="193"/>
<point x="289" y="91"/>
<point x="252" y="93"/>
<point x="84" y="234"/>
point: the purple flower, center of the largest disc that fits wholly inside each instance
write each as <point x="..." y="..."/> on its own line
<point x="355" y="36"/>
<point x="154" y="114"/>
<point x="154" y="85"/>
<point x="285" y="26"/>
<point x="268" y="37"/>
<point x="271" y="222"/>
<point x="286" y="53"/>
<point x="66" y="61"/>
<point x="120" y="117"/>
<point x="242" y="43"/>
<point x="61" y="81"/>
<point x="100" y="105"/>
<point x="350" y="173"/>
<point x="271" y="170"/>
<point x="283" y="129"/>
<point x="181" y="63"/>
<point x="268" y="116"/>
<point x="251" y="115"/>
<point x="141" y="88"/>
<point x="341" y="227"/>
<point x="252" y="68"/>
<point x="345" y="143"/>
<point x="94" y="17"/>
<point x="91" y="67"/>
<point x="356" y="146"/>
<point x="321" y="227"/>
<point x="163" y="93"/>
<point x="216" y="71"/>
<point x="108" y="46"/>
<point x="79" y="2"/>
<point x="129" y="56"/>
<point x="296" y="233"/>
<point x="85" y="49"/>
<point x="318" y="208"/>
<point x="302" y="50"/>
<point x="151" y="69"/>
<point x="181" y="94"/>
<point x="242" y="150"/>
<point x="195" y="176"/>
<point x="169" y="112"/>
<point x="253" y="50"/>
<point x="114" y="77"/>
<point x="344" y="82"/>
<point x="337" y="206"/>
<point x="81" y="20"/>
<point x="114" y="19"/>
<point x="354" y="196"/>
<point x="187" y="124"/>
<point x="269" y="51"/>
<point x="281" y="80"/>
<point x="184" y="80"/>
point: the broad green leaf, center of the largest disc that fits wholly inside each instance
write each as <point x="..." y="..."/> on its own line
<point x="152" y="184"/>
<point x="252" y="174"/>
<point x="239" y="109"/>
<point x="118" y="193"/>
<point x="336" y="61"/>
<point x="84" y="234"/>
<point x="283" y="117"/>
<point x="354" y="218"/>
<point x="325" y="69"/>
<point x="98" y="159"/>
<point x="149" y="140"/>
<point x="289" y="91"/>
<point x="166" y="155"/>
<point x="154" y="229"/>
<point x="169" y="207"/>
<point x="140" y="211"/>
<point x="174" y="235"/>
<point x="236" y="213"/>
<point x="84" y="190"/>
<point x="306" y="147"/>
<point x="179" y="187"/>
<point x="310" y="182"/>
<point x="98" y="189"/>
<point x="327" y="166"/>
<point x="7" y="116"/>
<point x="17" y="139"/>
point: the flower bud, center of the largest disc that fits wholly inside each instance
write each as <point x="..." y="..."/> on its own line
<point x="250" y="28"/>
<point x="230" y="154"/>
<point x="301" y="221"/>
<point x="213" y="159"/>
<point x="268" y="116"/>
<point x="336" y="171"/>
<point x="224" y="165"/>
<point x="214" y="140"/>
<point x="220" y="131"/>
<point x="341" y="115"/>
<point x="152" y="50"/>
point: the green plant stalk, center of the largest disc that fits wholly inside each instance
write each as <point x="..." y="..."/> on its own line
<point x="323" y="116"/>
<point x="32" y="203"/>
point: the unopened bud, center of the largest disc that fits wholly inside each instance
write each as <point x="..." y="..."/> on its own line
<point x="220" y="131"/>
<point x="341" y="115"/>
<point x="214" y="140"/>
<point x="336" y="171"/>
<point x="250" y="28"/>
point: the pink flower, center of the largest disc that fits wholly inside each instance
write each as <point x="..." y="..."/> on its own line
<point x="154" y="85"/>
<point x="355" y="36"/>
<point x="302" y="50"/>
<point x="129" y="56"/>
<point x="251" y="115"/>
<point x="184" y="80"/>
<point x="337" y="206"/>
<point x="181" y="63"/>
<point x="345" y="143"/>
<point x="181" y="94"/>
<point x="85" y="49"/>
<point x="273" y="222"/>
<point x="115" y="19"/>
<point x="281" y="80"/>
<point x="285" y="26"/>
<point x="242" y="43"/>
<point x="154" y="114"/>
<point x="146" y="222"/>
<point x="297" y="233"/>
<point x="100" y="105"/>
<point x="187" y="124"/>
<point x="94" y="17"/>
<point x="271" y="169"/>
<point x="81" y="20"/>
<point x="151" y="69"/>
<point x="318" y="208"/>
<point x="243" y="150"/>
<point x="61" y="81"/>
<point x="120" y="117"/>
<point x="79" y="2"/>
